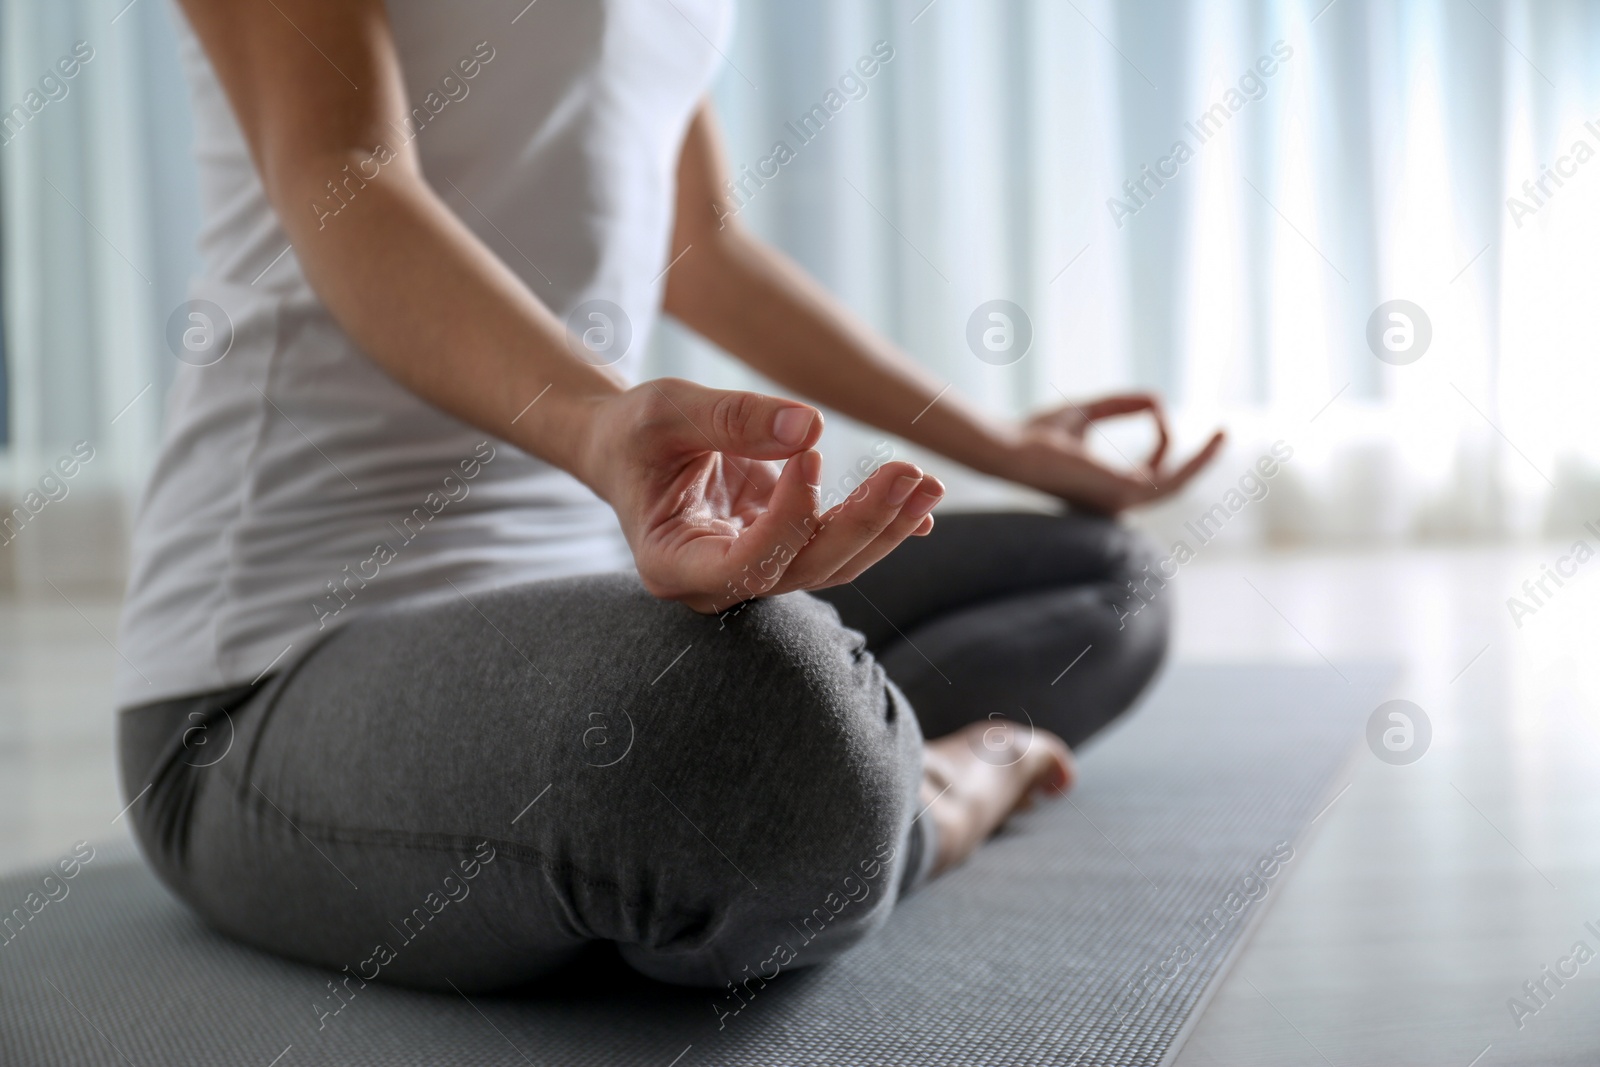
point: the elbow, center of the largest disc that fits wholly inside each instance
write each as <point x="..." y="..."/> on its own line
<point x="715" y="267"/>
<point x="308" y="189"/>
<point x="702" y="277"/>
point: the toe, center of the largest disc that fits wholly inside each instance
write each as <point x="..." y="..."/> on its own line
<point x="1057" y="771"/>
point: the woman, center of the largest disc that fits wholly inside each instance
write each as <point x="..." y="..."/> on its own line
<point x="448" y="650"/>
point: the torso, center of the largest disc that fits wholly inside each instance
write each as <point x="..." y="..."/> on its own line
<point x="298" y="485"/>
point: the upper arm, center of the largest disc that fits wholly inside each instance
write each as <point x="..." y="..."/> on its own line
<point x="704" y="221"/>
<point x="308" y="80"/>
<point x="703" y="211"/>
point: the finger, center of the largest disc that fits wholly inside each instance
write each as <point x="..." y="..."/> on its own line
<point x="1109" y="407"/>
<point x="1171" y="483"/>
<point x="913" y="516"/>
<point x="1107" y="490"/>
<point x="1114" y="493"/>
<point x="1158" y="413"/>
<point x="1131" y="404"/>
<point x="696" y="419"/>
<point x="763" y="552"/>
<point x="853" y="525"/>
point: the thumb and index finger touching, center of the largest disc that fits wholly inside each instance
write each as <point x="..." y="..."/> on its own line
<point x="754" y="426"/>
<point x="790" y="527"/>
<point x="1158" y="483"/>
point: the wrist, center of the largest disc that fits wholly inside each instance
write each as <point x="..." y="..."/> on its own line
<point x="969" y="436"/>
<point x="563" y="427"/>
<point x="990" y="447"/>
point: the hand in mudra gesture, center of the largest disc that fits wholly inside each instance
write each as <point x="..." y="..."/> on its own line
<point x="717" y="493"/>
<point x="1051" y="454"/>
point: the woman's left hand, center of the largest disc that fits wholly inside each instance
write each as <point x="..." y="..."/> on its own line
<point x="1050" y="453"/>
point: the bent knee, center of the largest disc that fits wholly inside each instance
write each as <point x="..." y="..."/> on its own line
<point x="784" y="770"/>
<point x="1136" y="558"/>
<point x="757" y="942"/>
<point x="1142" y="581"/>
<point x="788" y="713"/>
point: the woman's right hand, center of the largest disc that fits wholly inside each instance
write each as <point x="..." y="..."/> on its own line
<point x="717" y="493"/>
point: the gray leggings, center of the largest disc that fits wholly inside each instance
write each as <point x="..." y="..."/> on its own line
<point x="470" y="793"/>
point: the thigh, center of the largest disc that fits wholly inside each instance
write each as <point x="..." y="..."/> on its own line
<point x="606" y="765"/>
<point x="975" y="557"/>
<point x="1070" y="660"/>
<point x="1055" y="620"/>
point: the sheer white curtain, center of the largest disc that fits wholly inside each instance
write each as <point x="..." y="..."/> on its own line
<point x="96" y="227"/>
<point x="977" y="162"/>
<point x="974" y="168"/>
<point x="1373" y="164"/>
<point x="99" y="224"/>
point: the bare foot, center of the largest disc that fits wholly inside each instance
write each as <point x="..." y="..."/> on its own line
<point x="975" y="778"/>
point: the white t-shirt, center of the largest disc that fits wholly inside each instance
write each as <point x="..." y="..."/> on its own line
<point x="298" y="484"/>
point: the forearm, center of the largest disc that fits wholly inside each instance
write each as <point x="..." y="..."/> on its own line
<point x="438" y="311"/>
<point x="748" y="298"/>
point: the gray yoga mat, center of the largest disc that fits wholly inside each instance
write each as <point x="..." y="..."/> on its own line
<point x="1089" y="932"/>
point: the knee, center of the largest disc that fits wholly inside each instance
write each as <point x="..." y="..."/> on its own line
<point x="799" y="729"/>
<point x="1143" y="582"/>
<point x="1134" y="558"/>
<point x="799" y="761"/>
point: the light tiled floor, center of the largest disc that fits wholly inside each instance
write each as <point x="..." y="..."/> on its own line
<point x="1427" y="895"/>
<point x="58" y="781"/>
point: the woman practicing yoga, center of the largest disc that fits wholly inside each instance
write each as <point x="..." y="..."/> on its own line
<point x="450" y="649"/>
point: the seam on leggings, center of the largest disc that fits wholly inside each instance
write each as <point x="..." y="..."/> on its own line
<point x="272" y="689"/>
